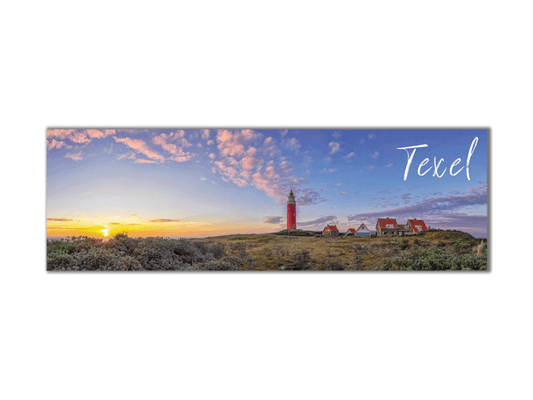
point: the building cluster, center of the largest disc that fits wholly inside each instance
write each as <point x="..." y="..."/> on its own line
<point x="384" y="226"/>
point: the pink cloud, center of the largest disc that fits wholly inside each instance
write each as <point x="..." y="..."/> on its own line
<point x="174" y="143"/>
<point x="130" y="155"/>
<point x="269" y="186"/>
<point x="60" y="133"/>
<point x="79" y="136"/>
<point x="335" y="147"/>
<point x="291" y="144"/>
<point x="269" y="148"/>
<point x="243" y="157"/>
<point x="231" y="173"/>
<point x="249" y="162"/>
<point x="141" y="147"/>
<point x="75" y="156"/>
<point x="99" y="134"/>
<point x="235" y="143"/>
<point x="285" y="167"/>
<point x="56" y="144"/>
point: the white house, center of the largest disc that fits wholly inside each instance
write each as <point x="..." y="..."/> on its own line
<point x="362" y="230"/>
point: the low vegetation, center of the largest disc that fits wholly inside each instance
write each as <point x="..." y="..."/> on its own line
<point x="430" y="251"/>
<point x="136" y="254"/>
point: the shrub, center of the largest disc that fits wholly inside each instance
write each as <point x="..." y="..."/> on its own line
<point x="217" y="250"/>
<point x="484" y="251"/>
<point x="60" y="262"/>
<point x="300" y="261"/>
<point x="129" y="254"/>
<point x="59" y="247"/>
<point x="334" y="266"/>
<point x="239" y="246"/>
<point x="433" y="259"/>
<point x="462" y="247"/>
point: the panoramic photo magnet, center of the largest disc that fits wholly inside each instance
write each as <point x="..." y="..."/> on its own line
<point x="266" y="199"/>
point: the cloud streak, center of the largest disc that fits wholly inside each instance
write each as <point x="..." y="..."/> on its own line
<point x="77" y="136"/>
<point x="273" y="220"/>
<point x="75" y="156"/>
<point x="56" y="144"/>
<point x="437" y="208"/>
<point x="175" y="144"/>
<point x="319" y="223"/>
<point x="140" y="146"/>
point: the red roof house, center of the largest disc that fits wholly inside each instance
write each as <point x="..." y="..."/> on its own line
<point x="416" y="225"/>
<point x="403" y="229"/>
<point x="330" y="230"/>
<point x="387" y="226"/>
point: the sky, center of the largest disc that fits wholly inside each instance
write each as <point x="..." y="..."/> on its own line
<point x="209" y="182"/>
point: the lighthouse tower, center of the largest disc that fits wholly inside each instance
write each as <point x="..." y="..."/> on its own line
<point x="291" y="211"/>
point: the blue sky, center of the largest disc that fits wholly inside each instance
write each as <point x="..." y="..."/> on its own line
<point x="205" y="182"/>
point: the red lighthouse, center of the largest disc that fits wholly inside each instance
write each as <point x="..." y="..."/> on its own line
<point x="291" y="211"/>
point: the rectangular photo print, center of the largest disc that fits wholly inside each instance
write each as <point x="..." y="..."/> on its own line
<point x="266" y="199"/>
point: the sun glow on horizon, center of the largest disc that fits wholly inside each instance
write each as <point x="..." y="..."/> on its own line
<point x="98" y="227"/>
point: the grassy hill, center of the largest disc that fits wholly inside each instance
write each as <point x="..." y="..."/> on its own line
<point x="453" y="249"/>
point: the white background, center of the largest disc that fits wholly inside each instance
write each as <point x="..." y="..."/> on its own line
<point x="254" y="335"/>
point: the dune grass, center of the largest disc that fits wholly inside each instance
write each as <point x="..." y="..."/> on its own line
<point x="437" y="250"/>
